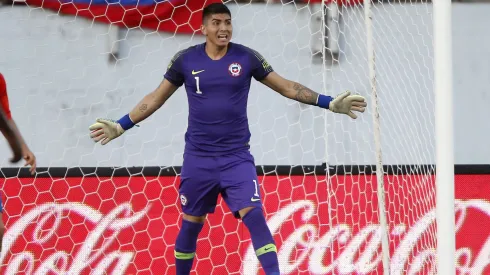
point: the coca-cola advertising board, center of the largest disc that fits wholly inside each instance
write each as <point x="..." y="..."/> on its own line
<point x="128" y="225"/>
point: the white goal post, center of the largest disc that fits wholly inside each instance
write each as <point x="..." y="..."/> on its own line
<point x="443" y="88"/>
<point x="445" y="198"/>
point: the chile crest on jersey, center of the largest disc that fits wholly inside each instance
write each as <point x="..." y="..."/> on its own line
<point x="235" y="69"/>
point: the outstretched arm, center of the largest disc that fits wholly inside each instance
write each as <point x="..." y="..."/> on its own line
<point x="344" y="103"/>
<point x="105" y="130"/>
<point x="291" y="89"/>
<point x="152" y="101"/>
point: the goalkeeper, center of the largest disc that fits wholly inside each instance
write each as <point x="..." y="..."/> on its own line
<point x="217" y="76"/>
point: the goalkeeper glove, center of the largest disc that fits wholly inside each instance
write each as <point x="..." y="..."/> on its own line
<point x="105" y="130"/>
<point x="345" y="103"/>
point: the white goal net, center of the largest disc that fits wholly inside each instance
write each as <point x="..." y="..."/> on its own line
<point x="115" y="210"/>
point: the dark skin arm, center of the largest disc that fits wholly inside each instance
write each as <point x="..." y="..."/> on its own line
<point x="26" y="153"/>
<point x="11" y="136"/>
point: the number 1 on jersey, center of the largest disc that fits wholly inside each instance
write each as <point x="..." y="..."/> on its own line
<point x="256" y="189"/>
<point x="197" y="85"/>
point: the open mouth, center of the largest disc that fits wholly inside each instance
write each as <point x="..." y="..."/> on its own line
<point x="223" y="37"/>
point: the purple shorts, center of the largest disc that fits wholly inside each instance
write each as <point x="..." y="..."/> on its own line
<point x="204" y="178"/>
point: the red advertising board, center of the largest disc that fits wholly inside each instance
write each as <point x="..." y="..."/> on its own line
<point x="128" y="225"/>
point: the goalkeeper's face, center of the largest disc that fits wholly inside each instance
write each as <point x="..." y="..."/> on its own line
<point x="218" y="29"/>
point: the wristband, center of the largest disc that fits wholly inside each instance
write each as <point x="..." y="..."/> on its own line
<point x="323" y="101"/>
<point x="126" y="122"/>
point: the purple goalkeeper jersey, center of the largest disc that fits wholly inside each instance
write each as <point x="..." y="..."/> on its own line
<point x="217" y="93"/>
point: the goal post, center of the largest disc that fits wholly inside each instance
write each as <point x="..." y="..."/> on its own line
<point x="443" y="89"/>
<point x="444" y="137"/>
<point x="443" y="122"/>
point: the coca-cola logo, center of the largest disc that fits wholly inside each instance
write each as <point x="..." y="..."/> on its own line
<point x="413" y="253"/>
<point x="103" y="235"/>
<point x="47" y="219"/>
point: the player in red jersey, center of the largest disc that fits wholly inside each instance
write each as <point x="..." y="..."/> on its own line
<point x="27" y="154"/>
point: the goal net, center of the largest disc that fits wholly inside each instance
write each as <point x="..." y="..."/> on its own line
<point x="115" y="209"/>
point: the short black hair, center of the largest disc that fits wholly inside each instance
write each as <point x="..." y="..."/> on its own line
<point x="214" y="8"/>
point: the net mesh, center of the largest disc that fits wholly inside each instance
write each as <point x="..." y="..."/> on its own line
<point x="115" y="209"/>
